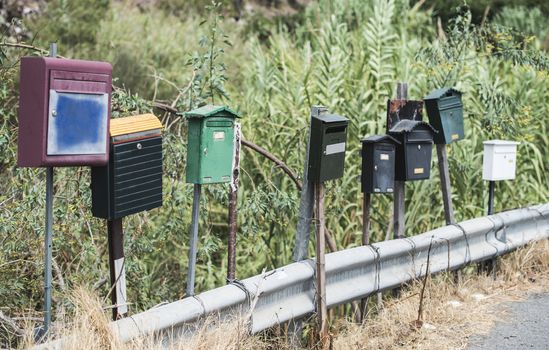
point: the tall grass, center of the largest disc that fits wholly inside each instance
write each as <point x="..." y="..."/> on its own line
<point x="347" y="55"/>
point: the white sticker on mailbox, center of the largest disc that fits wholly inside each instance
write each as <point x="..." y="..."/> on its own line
<point x="335" y="148"/>
<point x="384" y="156"/>
<point x="219" y="135"/>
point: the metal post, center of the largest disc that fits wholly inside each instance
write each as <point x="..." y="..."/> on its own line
<point x="367" y="200"/>
<point x="306" y="202"/>
<point x="193" y="245"/>
<point x="117" y="268"/>
<point x="399" y="191"/>
<point x="445" y="184"/>
<point x="48" y="249"/>
<point x="233" y="196"/>
<point x="48" y="236"/>
<point x="321" y="308"/>
<point x="491" y="197"/>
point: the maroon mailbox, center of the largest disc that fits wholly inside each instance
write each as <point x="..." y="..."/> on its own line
<point x="64" y="112"/>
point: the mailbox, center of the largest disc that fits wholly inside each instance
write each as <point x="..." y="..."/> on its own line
<point x="413" y="154"/>
<point x="132" y="180"/>
<point x="378" y="164"/>
<point x="445" y="111"/>
<point x="64" y="110"/>
<point x="500" y="160"/>
<point x="327" y="147"/>
<point x="398" y="110"/>
<point x="210" y="148"/>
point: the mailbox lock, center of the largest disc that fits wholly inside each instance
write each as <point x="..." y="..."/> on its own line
<point x="418" y="146"/>
<point x="139" y="146"/>
<point x="54" y="113"/>
<point x="375" y="167"/>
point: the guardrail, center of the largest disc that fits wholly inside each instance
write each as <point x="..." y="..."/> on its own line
<point x="288" y="292"/>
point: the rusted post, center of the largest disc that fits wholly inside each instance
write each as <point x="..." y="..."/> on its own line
<point x="367" y="200"/>
<point x="399" y="209"/>
<point x="117" y="268"/>
<point x="233" y="196"/>
<point x="321" y="308"/>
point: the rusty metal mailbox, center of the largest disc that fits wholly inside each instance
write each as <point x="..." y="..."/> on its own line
<point x="64" y="112"/>
<point x="132" y="180"/>
<point x="413" y="154"/>
<point x="378" y="164"/>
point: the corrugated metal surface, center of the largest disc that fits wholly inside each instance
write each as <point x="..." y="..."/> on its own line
<point x="288" y="292"/>
<point x="134" y="124"/>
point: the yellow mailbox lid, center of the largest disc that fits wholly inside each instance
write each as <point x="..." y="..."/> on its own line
<point x="134" y="124"/>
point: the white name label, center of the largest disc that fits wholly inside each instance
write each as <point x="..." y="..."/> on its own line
<point x="219" y="135"/>
<point x="335" y="148"/>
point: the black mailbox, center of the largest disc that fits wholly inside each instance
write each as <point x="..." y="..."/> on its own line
<point x="378" y="164"/>
<point x="413" y="154"/>
<point x="327" y="147"/>
<point x="132" y="180"/>
<point x="445" y="111"/>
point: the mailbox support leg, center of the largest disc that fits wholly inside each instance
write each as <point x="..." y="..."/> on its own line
<point x="193" y="244"/>
<point x="233" y="197"/>
<point x="321" y="308"/>
<point x="48" y="252"/>
<point x="445" y="184"/>
<point x="117" y="268"/>
<point x="367" y="200"/>
<point x="491" y="265"/>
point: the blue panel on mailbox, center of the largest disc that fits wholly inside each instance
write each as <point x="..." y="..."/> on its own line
<point x="77" y="123"/>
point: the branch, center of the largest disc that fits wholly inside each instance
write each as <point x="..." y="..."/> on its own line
<point x="27" y="47"/>
<point x="275" y="160"/>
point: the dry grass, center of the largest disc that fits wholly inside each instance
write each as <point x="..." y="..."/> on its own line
<point x="452" y="313"/>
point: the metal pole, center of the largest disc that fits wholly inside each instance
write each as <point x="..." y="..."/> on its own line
<point x="193" y="240"/>
<point x="306" y="202"/>
<point x="367" y="200"/>
<point x="117" y="268"/>
<point x="491" y="197"/>
<point x="321" y="308"/>
<point x="48" y="235"/>
<point x="445" y="184"/>
<point x="233" y="196"/>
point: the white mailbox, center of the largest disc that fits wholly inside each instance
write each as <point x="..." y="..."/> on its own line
<point x="500" y="160"/>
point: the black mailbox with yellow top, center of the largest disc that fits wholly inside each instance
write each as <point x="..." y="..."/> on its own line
<point x="327" y="147"/>
<point x="445" y="111"/>
<point x="378" y="164"/>
<point x="132" y="180"/>
<point x="413" y="154"/>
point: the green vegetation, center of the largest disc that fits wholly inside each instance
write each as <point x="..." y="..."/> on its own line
<point x="347" y="55"/>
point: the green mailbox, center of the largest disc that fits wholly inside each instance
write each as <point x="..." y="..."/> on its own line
<point x="445" y="111"/>
<point x="327" y="147"/>
<point x="210" y="145"/>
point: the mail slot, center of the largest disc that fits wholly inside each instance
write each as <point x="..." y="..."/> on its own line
<point x="210" y="148"/>
<point x="378" y="164"/>
<point x="132" y="180"/>
<point x="445" y="111"/>
<point x="413" y="154"/>
<point x="327" y="147"/>
<point x="64" y="111"/>
<point x="500" y="160"/>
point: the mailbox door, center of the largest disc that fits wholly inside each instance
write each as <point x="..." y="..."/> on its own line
<point x="333" y="151"/>
<point x="217" y="143"/>
<point x="77" y="123"/>
<point x="384" y="168"/>
<point x="137" y="181"/>
<point x="418" y="155"/>
<point x="451" y="113"/>
<point x="504" y="163"/>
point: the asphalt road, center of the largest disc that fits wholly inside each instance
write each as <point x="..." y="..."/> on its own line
<point x="525" y="326"/>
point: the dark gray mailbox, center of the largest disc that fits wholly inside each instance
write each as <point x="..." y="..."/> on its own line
<point x="413" y="154"/>
<point x="445" y="111"/>
<point x="378" y="164"/>
<point x="132" y="180"/>
<point x="327" y="147"/>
